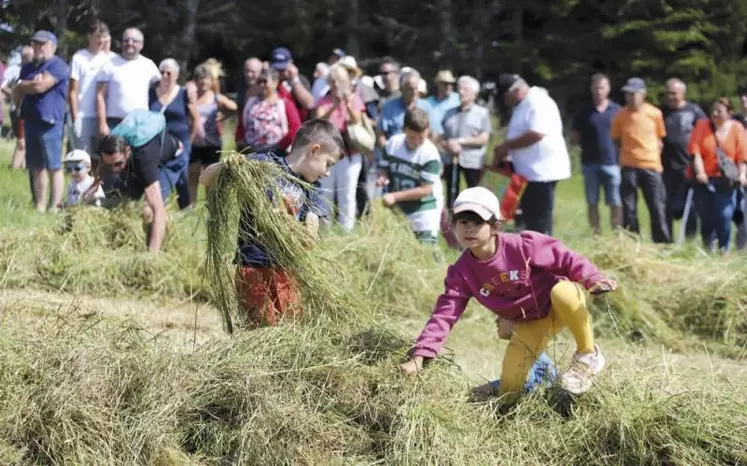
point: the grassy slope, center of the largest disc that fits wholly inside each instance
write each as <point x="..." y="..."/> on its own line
<point x="635" y="411"/>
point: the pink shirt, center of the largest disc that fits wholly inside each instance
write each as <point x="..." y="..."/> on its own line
<point x="339" y="115"/>
<point x="515" y="284"/>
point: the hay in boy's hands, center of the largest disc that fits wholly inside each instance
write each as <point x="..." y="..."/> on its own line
<point x="249" y="186"/>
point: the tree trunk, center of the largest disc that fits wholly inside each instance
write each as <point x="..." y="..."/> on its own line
<point x="353" y="46"/>
<point x="447" y="33"/>
<point x="60" y="11"/>
<point x="188" y="35"/>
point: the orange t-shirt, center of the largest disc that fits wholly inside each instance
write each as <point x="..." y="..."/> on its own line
<point x="639" y="133"/>
<point x="703" y="142"/>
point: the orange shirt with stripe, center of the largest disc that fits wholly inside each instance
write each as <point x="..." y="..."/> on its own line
<point x="639" y="133"/>
<point x="703" y="142"/>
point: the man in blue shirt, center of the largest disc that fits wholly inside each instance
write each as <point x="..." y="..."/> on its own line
<point x="392" y="119"/>
<point x="441" y="102"/>
<point x="43" y="89"/>
<point x="591" y="129"/>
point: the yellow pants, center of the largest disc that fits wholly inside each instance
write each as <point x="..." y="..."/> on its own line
<point x="567" y="309"/>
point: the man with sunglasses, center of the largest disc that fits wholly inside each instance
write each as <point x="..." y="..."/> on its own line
<point x="388" y="81"/>
<point x="134" y="165"/>
<point x="78" y="166"/>
<point x="43" y="90"/>
<point x="123" y="83"/>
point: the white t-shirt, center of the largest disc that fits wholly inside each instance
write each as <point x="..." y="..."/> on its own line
<point x="129" y="81"/>
<point x="85" y="68"/>
<point x="76" y="190"/>
<point x="548" y="159"/>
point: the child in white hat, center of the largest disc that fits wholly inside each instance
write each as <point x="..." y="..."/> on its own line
<point x="78" y="165"/>
<point x="530" y="281"/>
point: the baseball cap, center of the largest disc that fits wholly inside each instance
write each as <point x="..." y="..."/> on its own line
<point x="43" y="37"/>
<point x="338" y="52"/>
<point x="280" y="58"/>
<point x="505" y="81"/>
<point x="480" y="201"/>
<point x="634" y="85"/>
<point x="445" y="76"/>
<point x="77" y="155"/>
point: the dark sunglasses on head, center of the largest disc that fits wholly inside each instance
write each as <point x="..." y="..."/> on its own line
<point x="75" y="168"/>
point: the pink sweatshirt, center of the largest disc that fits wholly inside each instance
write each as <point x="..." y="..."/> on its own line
<point x="515" y="284"/>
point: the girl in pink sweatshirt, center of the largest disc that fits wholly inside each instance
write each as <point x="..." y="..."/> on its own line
<point x="527" y="279"/>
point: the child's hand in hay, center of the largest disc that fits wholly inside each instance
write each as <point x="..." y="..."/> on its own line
<point x="603" y="286"/>
<point x="413" y="366"/>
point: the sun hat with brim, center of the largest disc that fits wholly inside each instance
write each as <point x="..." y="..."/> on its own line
<point x="634" y="85"/>
<point x="348" y="62"/>
<point x="445" y="76"/>
<point x="480" y="201"/>
<point x="77" y="155"/>
<point x="43" y="37"/>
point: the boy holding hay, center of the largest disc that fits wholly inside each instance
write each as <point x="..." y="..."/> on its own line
<point x="411" y="169"/>
<point x="265" y="290"/>
<point x="527" y="279"/>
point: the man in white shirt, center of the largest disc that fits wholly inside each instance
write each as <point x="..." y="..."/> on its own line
<point x="123" y="83"/>
<point x="536" y="147"/>
<point x="84" y="70"/>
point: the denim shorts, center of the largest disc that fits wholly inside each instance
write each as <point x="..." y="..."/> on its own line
<point x="43" y="145"/>
<point x="596" y="175"/>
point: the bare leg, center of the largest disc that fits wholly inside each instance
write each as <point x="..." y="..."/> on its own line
<point x="41" y="182"/>
<point x="58" y="182"/>
<point x="194" y="180"/>
<point x="616" y="216"/>
<point x="19" y="154"/>
<point x="594" y="219"/>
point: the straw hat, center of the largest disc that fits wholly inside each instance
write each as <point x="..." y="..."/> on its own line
<point x="348" y="62"/>
<point x="445" y="76"/>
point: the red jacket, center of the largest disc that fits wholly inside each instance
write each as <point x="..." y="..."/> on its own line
<point x="291" y="113"/>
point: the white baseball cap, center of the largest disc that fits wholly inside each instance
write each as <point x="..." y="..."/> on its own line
<point x="480" y="201"/>
<point x="78" y="155"/>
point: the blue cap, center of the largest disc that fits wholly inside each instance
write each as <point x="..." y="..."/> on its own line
<point x="281" y="58"/>
<point x="43" y="37"/>
<point x="634" y="85"/>
<point x="338" y="52"/>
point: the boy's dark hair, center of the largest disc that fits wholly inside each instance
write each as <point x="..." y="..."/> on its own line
<point x="112" y="144"/>
<point x="416" y="120"/>
<point x="322" y="132"/>
<point x="470" y="216"/>
<point x="98" y="27"/>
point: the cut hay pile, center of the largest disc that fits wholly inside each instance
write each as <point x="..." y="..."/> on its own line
<point x="327" y="390"/>
<point x="79" y="392"/>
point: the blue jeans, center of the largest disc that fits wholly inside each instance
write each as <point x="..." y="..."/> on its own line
<point x="715" y="209"/>
<point x="596" y="176"/>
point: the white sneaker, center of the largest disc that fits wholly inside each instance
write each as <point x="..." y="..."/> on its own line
<point x="577" y="379"/>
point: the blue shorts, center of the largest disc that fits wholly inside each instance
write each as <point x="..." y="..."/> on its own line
<point x="596" y="175"/>
<point x="170" y="174"/>
<point x="43" y="145"/>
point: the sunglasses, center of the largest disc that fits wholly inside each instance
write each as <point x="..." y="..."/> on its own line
<point x="75" y="168"/>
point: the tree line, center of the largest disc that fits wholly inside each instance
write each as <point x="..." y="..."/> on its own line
<point x="554" y="43"/>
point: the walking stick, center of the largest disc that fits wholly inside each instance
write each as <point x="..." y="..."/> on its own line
<point x="685" y="217"/>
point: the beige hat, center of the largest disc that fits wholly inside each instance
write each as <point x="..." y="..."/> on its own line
<point x="480" y="201"/>
<point x="445" y="76"/>
<point x="348" y="62"/>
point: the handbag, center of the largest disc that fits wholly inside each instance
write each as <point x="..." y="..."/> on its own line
<point x="362" y="135"/>
<point x="729" y="172"/>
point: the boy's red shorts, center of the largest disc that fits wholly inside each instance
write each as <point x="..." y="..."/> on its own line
<point x="266" y="294"/>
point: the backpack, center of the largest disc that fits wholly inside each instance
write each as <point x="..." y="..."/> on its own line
<point x="140" y="126"/>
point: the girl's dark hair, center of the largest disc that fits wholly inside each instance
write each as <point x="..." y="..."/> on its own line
<point x="112" y="144"/>
<point x="470" y="216"/>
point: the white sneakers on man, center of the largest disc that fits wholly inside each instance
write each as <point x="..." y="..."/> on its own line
<point x="577" y="379"/>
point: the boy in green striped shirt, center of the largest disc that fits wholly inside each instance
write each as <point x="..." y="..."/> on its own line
<point x="411" y="170"/>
